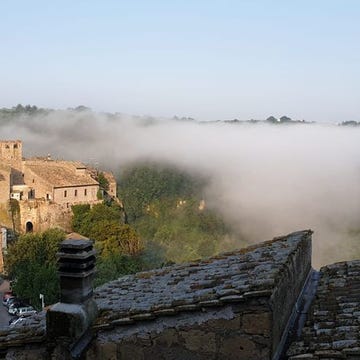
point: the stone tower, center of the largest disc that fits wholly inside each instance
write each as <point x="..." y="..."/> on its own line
<point x="11" y="155"/>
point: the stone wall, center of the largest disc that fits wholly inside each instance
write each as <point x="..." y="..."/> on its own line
<point x="76" y="194"/>
<point x="4" y="183"/>
<point x="43" y="188"/>
<point x="43" y="215"/>
<point x="240" y="331"/>
<point x="289" y="286"/>
<point x="11" y="153"/>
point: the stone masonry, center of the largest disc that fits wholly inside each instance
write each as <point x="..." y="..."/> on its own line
<point x="332" y="330"/>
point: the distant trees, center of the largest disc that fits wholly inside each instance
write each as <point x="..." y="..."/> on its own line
<point x="272" y="119"/>
<point x="163" y="205"/>
<point x="285" y="119"/>
<point x="350" y="123"/>
<point x="142" y="184"/>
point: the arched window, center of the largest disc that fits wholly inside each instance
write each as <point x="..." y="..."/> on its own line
<point x="29" y="227"/>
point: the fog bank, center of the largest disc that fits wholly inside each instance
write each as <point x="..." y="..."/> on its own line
<point x="267" y="180"/>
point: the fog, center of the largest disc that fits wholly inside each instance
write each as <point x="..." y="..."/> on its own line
<point x="267" y="180"/>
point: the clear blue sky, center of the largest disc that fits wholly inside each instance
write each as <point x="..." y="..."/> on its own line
<point x="206" y="59"/>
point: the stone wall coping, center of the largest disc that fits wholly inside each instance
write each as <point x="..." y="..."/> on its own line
<point x="31" y="330"/>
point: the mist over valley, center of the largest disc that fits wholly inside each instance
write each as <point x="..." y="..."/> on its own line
<point x="264" y="179"/>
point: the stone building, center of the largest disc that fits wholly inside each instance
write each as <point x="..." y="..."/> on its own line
<point x="62" y="182"/>
<point x="45" y="188"/>
<point x="11" y="155"/>
<point x="5" y="173"/>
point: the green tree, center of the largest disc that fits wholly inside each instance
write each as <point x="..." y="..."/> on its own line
<point x="113" y="266"/>
<point x="103" y="181"/>
<point x="31" y="262"/>
<point x="104" y="224"/>
<point x="142" y="184"/>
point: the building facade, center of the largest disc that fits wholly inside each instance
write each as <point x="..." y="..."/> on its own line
<point x="45" y="188"/>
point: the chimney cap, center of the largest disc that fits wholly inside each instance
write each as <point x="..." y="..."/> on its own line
<point x="76" y="244"/>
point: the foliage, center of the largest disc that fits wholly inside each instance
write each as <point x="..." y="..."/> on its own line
<point x="350" y="123"/>
<point x="100" y="195"/>
<point x="142" y="184"/>
<point x="103" y="181"/>
<point x="184" y="232"/>
<point x="79" y="215"/>
<point x="162" y="204"/>
<point x="104" y="224"/>
<point x="31" y="262"/>
<point x="15" y="213"/>
<point x="113" y="266"/>
<point x="272" y="119"/>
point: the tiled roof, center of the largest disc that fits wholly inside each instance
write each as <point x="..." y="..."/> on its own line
<point x="31" y="330"/>
<point x="332" y="330"/>
<point x="217" y="281"/>
<point x="60" y="173"/>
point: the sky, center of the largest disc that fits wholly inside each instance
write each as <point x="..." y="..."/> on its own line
<point x="210" y="60"/>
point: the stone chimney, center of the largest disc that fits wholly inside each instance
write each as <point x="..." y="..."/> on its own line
<point x="69" y="321"/>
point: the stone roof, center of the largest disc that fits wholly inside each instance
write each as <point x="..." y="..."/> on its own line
<point x="60" y="173"/>
<point x="229" y="277"/>
<point x="30" y="330"/>
<point x="332" y="329"/>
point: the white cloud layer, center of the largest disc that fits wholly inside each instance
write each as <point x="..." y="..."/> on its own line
<point x="266" y="180"/>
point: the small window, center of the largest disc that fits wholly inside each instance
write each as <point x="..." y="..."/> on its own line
<point x="15" y="146"/>
<point x="85" y="192"/>
<point x="7" y="147"/>
<point x="75" y="192"/>
<point x="65" y="193"/>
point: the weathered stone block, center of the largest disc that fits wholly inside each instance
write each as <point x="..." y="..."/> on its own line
<point x="259" y="324"/>
<point x="241" y="348"/>
<point x="199" y="341"/>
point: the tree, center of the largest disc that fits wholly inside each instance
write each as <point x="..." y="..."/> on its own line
<point x="31" y="262"/>
<point x="285" y="119"/>
<point x="115" y="265"/>
<point x="144" y="183"/>
<point x="103" y="181"/>
<point x="272" y="119"/>
<point x="104" y="224"/>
